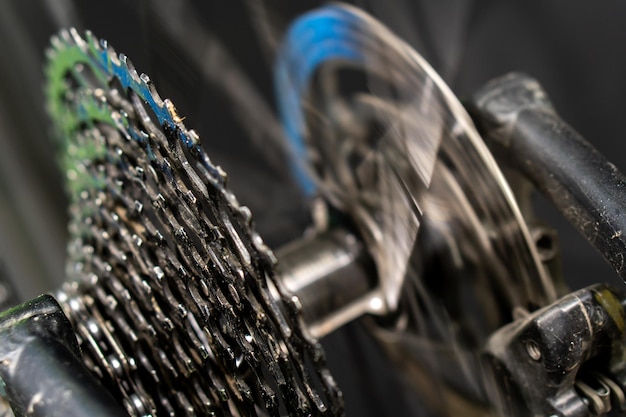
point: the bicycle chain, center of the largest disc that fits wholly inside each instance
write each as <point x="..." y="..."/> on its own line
<point x="172" y="293"/>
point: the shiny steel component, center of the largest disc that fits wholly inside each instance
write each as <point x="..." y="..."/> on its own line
<point x="173" y="295"/>
<point x="332" y="275"/>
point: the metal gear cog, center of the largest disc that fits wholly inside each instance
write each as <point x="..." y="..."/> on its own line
<point x="172" y="294"/>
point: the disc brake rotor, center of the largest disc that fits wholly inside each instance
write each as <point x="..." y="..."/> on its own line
<point x="379" y="136"/>
<point x="384" y="140"/>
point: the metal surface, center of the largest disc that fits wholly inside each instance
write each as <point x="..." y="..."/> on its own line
<point x="422" y="162"/>
<point x="563" y="360"/>
<point x="41" y="370"/>
<point x="331" y="274"/>
<point x="173" y="287"/>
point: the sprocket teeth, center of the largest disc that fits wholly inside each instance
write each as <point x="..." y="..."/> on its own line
<point x="76" y="38"/>
<point x="246" y="215"/>
<point x="140" y="151"/>
<point x="50" y="53"/>
<point x="147" y="82"/>
<point x="91" y="39"/>
<point x="127" y="65"/>
<point x="171" y="110"/>
<point x="65" y="36"/>
<point x="112" y="56"/>
<point x="260" y="245"/>
<point x="193" y="137"/>
<point x="56" y="42"/>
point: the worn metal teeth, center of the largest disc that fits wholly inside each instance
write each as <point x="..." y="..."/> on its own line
<point x="172" y="292"/>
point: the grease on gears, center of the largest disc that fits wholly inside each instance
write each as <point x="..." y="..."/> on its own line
<point x="174" y="298"/>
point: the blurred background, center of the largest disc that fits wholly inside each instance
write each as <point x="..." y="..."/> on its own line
<point x="214" y="60"/>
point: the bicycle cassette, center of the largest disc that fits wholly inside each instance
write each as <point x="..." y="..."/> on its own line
<point x="170" y="286"/>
